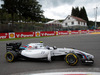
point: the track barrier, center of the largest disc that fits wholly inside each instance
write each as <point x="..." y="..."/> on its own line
<point x="43" y="33"/>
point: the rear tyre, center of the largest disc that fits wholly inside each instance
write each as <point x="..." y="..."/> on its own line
<point x="11" y="56"/>
<point x="71" y="59"/>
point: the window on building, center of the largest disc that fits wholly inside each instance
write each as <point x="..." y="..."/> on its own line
<point x="72" y="23"/>
<point x="84" y="23"/>
<point x="79" y="22"/>
<point x="68" y="18"/>
<point x="66" y="24"/>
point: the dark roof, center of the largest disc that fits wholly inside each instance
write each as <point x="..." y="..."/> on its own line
<point x="78" y="19"/>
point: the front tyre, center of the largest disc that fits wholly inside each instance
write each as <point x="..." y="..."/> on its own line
<point x="71" y="59"/>
<point x="10" y="56"/>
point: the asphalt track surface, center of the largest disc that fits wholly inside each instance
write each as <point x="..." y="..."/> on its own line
<point x="86" y="42"/>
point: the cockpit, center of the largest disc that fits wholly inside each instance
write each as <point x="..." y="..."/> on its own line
<point x="37" y="46"/>
<point x="32" y="46"/>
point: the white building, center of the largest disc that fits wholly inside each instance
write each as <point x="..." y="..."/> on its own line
<point x="53" y="25"/>
<point x="53" y="22"/>
<point x="74" y="22"/>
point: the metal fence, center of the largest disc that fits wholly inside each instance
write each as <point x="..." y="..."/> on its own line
<point x="28" y="27"/>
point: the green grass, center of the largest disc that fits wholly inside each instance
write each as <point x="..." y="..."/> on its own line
<point x="22" y="38"/>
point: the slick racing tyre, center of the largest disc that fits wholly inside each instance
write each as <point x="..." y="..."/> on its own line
<point x="11" y="56"/>
<point x="71" y="59"/>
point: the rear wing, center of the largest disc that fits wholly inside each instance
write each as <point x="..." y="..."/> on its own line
<point x="13" y="46"/>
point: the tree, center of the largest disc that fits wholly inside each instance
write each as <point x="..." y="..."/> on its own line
<point x="85" y="15"/>
<point x="10" y="7"/>
<point x="1" y="15"/>
<point x="75" y="11"/>
<point x="30" y="8"/>
<point x="80" y="13"/>
<point x="4" y="16"/>
<point x="26" y="8"/>
<point x="37" y="13"/>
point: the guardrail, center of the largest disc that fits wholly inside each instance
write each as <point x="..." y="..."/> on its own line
<point x="43" y="33"/>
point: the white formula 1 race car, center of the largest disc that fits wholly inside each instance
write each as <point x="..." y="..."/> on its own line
<point x="39" y="51"/>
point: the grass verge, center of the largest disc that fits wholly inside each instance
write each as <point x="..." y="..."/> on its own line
<point x="23" y="38"/>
